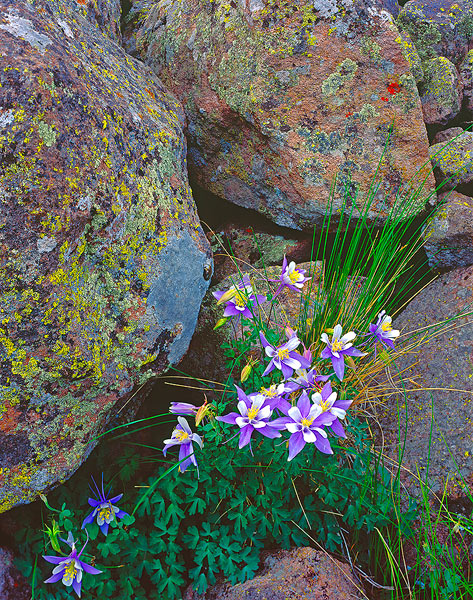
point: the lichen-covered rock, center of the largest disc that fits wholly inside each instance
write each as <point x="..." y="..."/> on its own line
<point x="104" y="14"/>
<point x="466" y="73"/>
<point x="441" y="91"/>
<point x="453" y="161"/>
<point x="411" y="55"/>
<point x="299" y="574"/>
<point x="447" y="134"/>
<point x="449" y="237"/>
<point x="281" y="96"/>
<point x="444" y="367"/>
<point x="439" y="27"/>
<point x="103" y="263"/>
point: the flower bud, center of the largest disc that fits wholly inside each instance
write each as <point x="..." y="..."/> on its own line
<point x="228" y="295"/>
<point x="245" y="372"/>
<point x="350" y="362"/>
<point x="329" y="331"/>
<point x="203" y="411"/>
<point x="221" y="322"/>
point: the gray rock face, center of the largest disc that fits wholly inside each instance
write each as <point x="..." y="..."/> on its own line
<point x="103" y="263"/>
<point x="13" y="586"/>
<point x="466" y="73"/>
<point x="444" y="362"/>
<point x="449" y="238"/>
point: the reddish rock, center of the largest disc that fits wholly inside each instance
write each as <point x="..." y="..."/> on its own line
<point x="103" y="263"/>
<point x="444" y="367"/>
<point x="298" y="574"/>
<point x="283" y="96"/>
<point x="449" y="237"/>
<point x="466" y="73"/>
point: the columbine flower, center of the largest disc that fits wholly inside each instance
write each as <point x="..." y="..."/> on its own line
<point x="70" y="569"/>
<point x="182" y="436"/>
<point x="183" y="408"/>
<point x="305" y="423"/>
<point x="308" y="380"/>
<point x="255" y="410"/>
<point x="339" y="347"/>
<point x="283" y="357"/>
<point x="382" y="330"/>
<point x="290" y="277"/>
<point x="327" y="400"/>
<point x="104" y="509"/>
<point x="239" y="299"/>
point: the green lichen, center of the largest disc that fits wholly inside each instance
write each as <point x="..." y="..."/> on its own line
<point x="440" y="83"/>
<point x="368" y="111"/>
<point x="371" y="48"/>
<point x="424" y="33"/>
<point x="344" y="73"/>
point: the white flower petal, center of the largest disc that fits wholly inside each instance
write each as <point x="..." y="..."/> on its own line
<point x="337" y="332"/>
<point x="243" y="409"/>
<point x="293" y="427"/>
<point x="242" y="421"/>
<point x="348" y="337"/>
<point x="309" y="436"/>
<point x="324" y="338"/>
<point x="265" y="412"/>
<point x="292" y="343"/>
<point x="322" y="432"/>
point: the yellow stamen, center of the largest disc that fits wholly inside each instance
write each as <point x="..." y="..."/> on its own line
<point x="271" y="392"/>
<point x="240" y="299"/>
<point x="283" y="353"/>
<point x="70" y="572"/>
<point x="294" y="276"/>
<point x="386" y="326"/>
<point x="182" y="435"/>
<point x="306" y="422"/>
<point x="337" y="346"/>
<point x="325" y="406"/>
<point x="252" y="413"/>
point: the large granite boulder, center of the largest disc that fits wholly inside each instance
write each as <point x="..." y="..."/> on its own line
<point x="103" y="263"/>
<point x="436" y="412"/>
<point x="280" y="98"/>
<point x="300" y="573"/>
<point x="439" y="27"/>
<point x="449" y="236"/>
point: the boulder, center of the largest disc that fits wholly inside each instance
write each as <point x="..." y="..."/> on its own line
<point x="453" y="162"/>
<point x="441" y="91"/>
<point x="447" y="134"/>
<point x="466" y="73"/>
<point x="104" y="14"/>
<point x="449" y="236"/>
<point x="439" y="27"/>
<point x="282" y="97"/>
<point x="13" y="586"/>
<point x="299" y="574"/>
<point x="103" y="263"/>
<point x="443" y="367"/>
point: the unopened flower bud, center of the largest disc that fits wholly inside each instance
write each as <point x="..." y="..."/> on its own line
<point x="221" y="322"/>
<point x="203" y="411"/>
<point x="228" y="295"/>
<point x="245" y="372"/>
<point x="329" y="331"/>
<point x="350" y="362"/>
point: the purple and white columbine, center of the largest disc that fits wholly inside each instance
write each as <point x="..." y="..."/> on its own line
<point x="183" y="408"/>
<point x="339" y="347"/>
<point x="70" y="568"/>
<point x="284" y="357"/>
<point x="308" y="380"/>
<point x="255" y="411"/>
<point x="104" y="509"/>
<point x="182" y="436"/>
<point x="239" y="299"/>
<point x="290" y="277"/>
<point x="305" y="423"/>
<point x="382" y="330"/>
<point x="327" y="400"/>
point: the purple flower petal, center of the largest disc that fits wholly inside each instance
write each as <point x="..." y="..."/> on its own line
<point x="303" y="404"/>
<point x="88" y="519"/>
<point x="104" y="528"/>
<point x="322" y="443"/>
<point x="326" y="352"/>
<point x="286" y="371"/>
<point x="55" y="560"/>
<point x="296" y="443"/>
<point x="245" y="435"/>
<point x="339" y="366"/>
<point x="94" y="503"/>
<point x="76" y="585"/>
<point x="337" y="429"/>
<point x="269" y="368"/>
<point x="54" y="578"/>
<point x="230" y="418"/>
<point x="269" y="431"/>
<point x="353" y="352"/>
